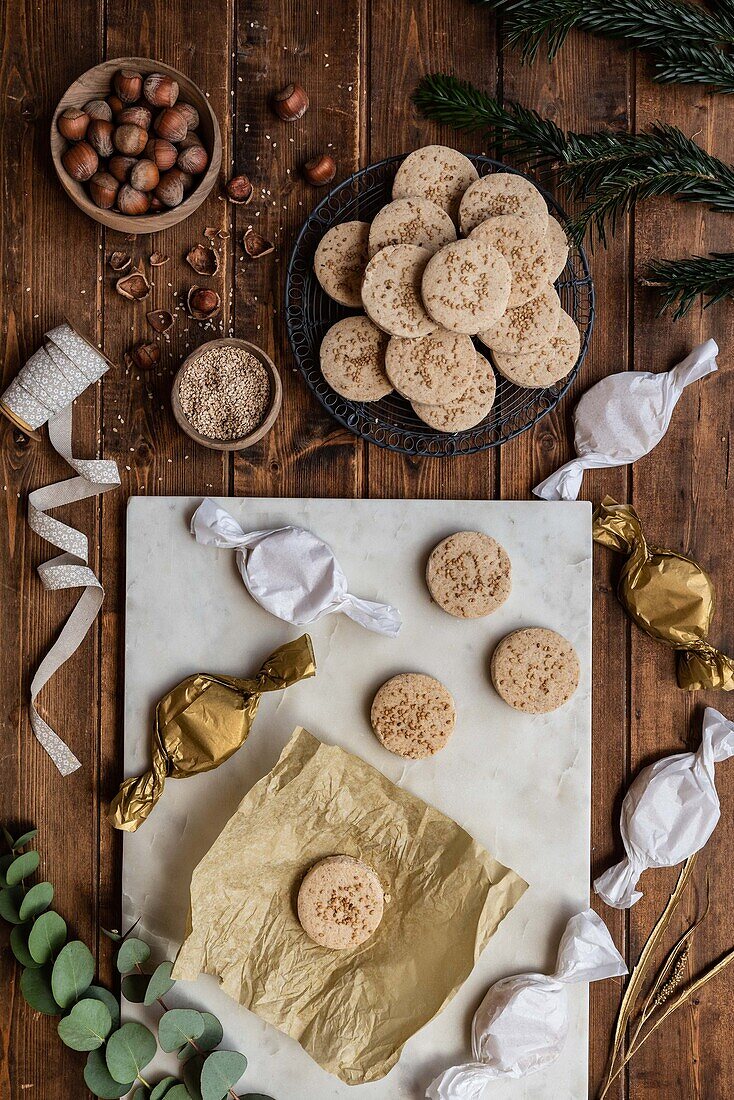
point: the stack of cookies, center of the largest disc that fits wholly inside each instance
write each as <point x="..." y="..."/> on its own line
<point x="428" y="292"/>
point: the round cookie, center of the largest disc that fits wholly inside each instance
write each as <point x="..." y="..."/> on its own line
<point x="469" y="575"/>
<point x="466" y="286"/>
<point x="411" y="221"/>
<point x="340" y="902"/>
<point x="499" y="193"/>
<point x="413" y="715"/>
<point x="548" y="364"/>
<point x="435" y="369"/>
<point x="352" y="357"/>
<point x="340" y="260"/>
<point x="522" y="242"/>
<point x="556" y="247"/>
<point x="470" y="409"/>
<point x="535" y="670"/>
<point x="391" y="291"/>
<point x="527" y="327"/>
<point x="436" y="173"/>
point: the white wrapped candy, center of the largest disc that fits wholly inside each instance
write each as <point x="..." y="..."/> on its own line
<point x="290" y="572"/>
<point x="623" y="417"/>
<point x="669" y="812"/>
<point x="522" y="1023"/>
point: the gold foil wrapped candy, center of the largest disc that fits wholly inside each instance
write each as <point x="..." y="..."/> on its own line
<point x="201" y="723"/>
<point x="668" y="595"/>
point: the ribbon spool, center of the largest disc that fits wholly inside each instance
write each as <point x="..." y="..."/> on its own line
<point x="42" y="393"/>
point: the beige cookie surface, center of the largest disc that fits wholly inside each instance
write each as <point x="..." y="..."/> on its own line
<point x="435" y="172"/>
<point x="527" y="327"/>
<point x="340" y="902"/>
<point x="548" y="364"/>
<point x="391" y="291"/>
<point x="499" y="193"/>
<point x="340" y="260"/>
<point x="436" y="368"/>
<point x="411" y="221"/>
<point x="469" y="575"/>
<point x="413" y="715"/>
<point x="474" y="405"/>
<point x="352" y="358"/>
<point x="522" y="242"/>
<point x="556" y="247"/>
<point x="535" y="670"/>
<point x="466" y="286"/>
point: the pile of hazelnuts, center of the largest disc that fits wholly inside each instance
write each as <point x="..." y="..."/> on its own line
<point x="138" y="149"/>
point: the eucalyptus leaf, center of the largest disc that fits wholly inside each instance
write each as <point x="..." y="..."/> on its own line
<point x="36" y="901"/>
<point x="19" y="946"/>
<point x="47" y="936"/>
<point x="221" y="1071"/>
<point x="99" y="993"/>
<point x="134" y="987"/>
<point x="191" y="1073"/>
<point x="72" y="973"/>
<point x="129" y="1050"/>
<point x="210" y="1037"/>
<point x="161" y="1089"/>
<point x="179" y="1026"/>
<point x="178" y="1092"/>
<point x="87" y="1025"/>
<point x="98" y="1080"/>
<point x="255" y="1096"/>
<point x="111" y="934"/>
<point x="160" y="983"/>
<point x="26" y="838"/>
<point x="5" y="862"/>
<point x="141" y="1094"/>
<point x="132" y="953"/>
<point x="22" y="868"/>
<point x="8" y="838"/>
<point x="35" y="985"/>
<point x="10" y="902"/>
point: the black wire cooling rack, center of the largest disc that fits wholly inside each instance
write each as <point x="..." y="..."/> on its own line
<point x="391" y="422"/>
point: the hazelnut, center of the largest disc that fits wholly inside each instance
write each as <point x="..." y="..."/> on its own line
<point x="103" y="188"/>
<point x="144" y="175"/>
<point x="170" y="189"/>
<point x="80" y="161"/>
<point x="131" y="201"/>
<point x="239" y="190"/>
<point x="172" y="123"/>
<point x="191" y="113"/>
<point x="146" y="356"/>
<point x="134" y="286"/>
<point x="73" y="123"/>
<point x="203" y="303"/>
<point x="128" y="84"/>
<point x="320" y="170"/>
<point x="130" y="139"/>
<point x="115" y="104"/>
<point x="156" y="204"/>
<point x="193" y="159"/>
<point x="290" y="103"/>
<point x="137" y="114"/>
<point x="204" y="259"/>
<point x="99" y="136"/>
<point x="255" y="245"/>
<point x="163" y="153"/>
<point x="120" y="166"/>
<point x="187" y="180"/>
<point x="160" y="90"/>
<point x="98" y="108"/>
<point x="120" y="261"/>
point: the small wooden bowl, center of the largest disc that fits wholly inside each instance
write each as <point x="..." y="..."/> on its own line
<point x="276" y="398"/>
<point x="96" y="83"/>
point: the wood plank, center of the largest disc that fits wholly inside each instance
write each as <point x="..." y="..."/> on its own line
<point x="586" y="88"/>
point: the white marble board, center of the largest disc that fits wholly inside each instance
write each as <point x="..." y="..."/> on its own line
<point x="520" y="784"/>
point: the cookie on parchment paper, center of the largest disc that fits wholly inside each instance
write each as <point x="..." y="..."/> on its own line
<point x="527" y="327"/>
<point x="535" y="670"/>
<point x="437" y="173"/>
<point x="435" y="369"/>
<point x="466" y="286"/>
<point x="391" y="291"/>
<point x="522" y="242"/>
<point x="548" y="364"/>
<point x="352" y="358"/>
<point x="411" y="221"/>
<point x="413" y="715"/>
<point x="469" y="574"/>
<point x="340" y="902"/>
<point x="499" y="193"/>
<point x="340" y="260"/>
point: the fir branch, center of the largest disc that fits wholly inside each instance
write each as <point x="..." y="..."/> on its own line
<point x="677" y="64"/>
<point x="681" y="282"/>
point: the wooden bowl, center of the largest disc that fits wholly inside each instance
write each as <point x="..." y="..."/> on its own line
<point x="96" y="83"/>
<point x="276" y="398"/>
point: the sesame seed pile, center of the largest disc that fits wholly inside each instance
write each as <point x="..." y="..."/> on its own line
<point x="224" y="393"/>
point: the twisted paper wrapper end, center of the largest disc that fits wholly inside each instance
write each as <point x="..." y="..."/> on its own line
<point x="201" y="723"/>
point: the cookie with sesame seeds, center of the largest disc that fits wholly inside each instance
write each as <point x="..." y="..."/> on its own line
<point x="391" y="291"/>
<point x="535" y="670"/>
<point x="352" y="359"/>
<point x="556" y="247"/>
<point x="435" y="172"/>
<point x="522" y="242"/>
<point x="474" y="405"/>
<point x="340" y="902"/>
<point x="536" y="369"/>
<point x="499" y="193"/>
<point x="469" y="575"/>
<point x="526" y="327"/>
<point x="413" y="715"/>
<point x="466" y="286"/>
<point x="434" y="368"/>
<point x="340" y="260"/>
<point x="411" y="221"/>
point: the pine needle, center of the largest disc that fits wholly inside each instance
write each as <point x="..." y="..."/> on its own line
<point x="681" y="282"/>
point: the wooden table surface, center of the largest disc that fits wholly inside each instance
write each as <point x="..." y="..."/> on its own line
<point x="359" y="61"/>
